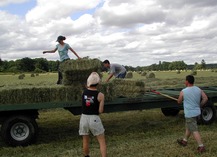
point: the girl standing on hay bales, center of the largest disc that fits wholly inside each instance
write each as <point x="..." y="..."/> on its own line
<point x="92" y="106"/>
<point x="62" y="48"/>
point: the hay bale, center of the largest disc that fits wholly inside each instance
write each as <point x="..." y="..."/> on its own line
<point x="20" y="77"/>
<point x="77" y="71"/>
<point x="128" y="88"/>
<point x="150" y="75"/>
<point x="108" y="90"/>
<point x="193" y="72"/>
<point x="32" y="75"/>
<point x="129" y="74"/>
<point x="143" y="73"/>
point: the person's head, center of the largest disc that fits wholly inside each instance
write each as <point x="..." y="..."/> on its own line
<point x="93" y="79"/>
<point x="189" y="80"/>
<point x="60" y="38"/>
<point x="106" y="63"/>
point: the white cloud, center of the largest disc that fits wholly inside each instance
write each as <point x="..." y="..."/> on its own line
<point x="46" y="11"/>
<point x="129" y="32"/>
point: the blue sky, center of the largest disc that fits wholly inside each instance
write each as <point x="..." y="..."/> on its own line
<point x="129" y="32"/>
<point x="19" y="8"/>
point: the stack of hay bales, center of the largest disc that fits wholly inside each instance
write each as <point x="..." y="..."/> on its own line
<point x="72" y="93"/>
<point x="40" y="94"/>
<point x="77" y="71"/>
<point x="128" y="88"/>
<point x="75" y="74"/>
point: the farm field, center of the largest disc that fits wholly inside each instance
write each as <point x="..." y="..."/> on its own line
<point x="146" y="133"/>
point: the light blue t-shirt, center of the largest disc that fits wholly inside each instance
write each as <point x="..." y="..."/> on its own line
<point x="63" y="51"/>
<point x="192" y="98"/>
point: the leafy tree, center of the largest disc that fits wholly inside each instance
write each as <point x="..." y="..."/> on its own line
<point x="197" y="66"/>
<point x="1" y="62"/>
<point x="203" y="64"/>
<point x="41" y="63"/>
<point x="25" y="64"/>
<point x="178" y="65"/>
<point x="53" y="65"/>
<point x="165" y="65"/>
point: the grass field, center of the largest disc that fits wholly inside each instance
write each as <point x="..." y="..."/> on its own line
<point x="146" y="133"/>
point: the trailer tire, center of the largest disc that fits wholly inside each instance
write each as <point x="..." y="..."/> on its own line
<point x="170" y="111"/>
<point x="208" y="114"/>
<point x="19" y="131"/>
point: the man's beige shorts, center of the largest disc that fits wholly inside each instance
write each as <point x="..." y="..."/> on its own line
<point x="191" y="124"/>
<point x="90" y="123"/>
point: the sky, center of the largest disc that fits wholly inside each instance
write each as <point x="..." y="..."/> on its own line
<point x="127" y="32"/>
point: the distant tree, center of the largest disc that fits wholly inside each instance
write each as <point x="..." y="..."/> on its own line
<point x="41" y="63"/>
<point x="178" y="65"/>
<point x="197" y="66"/>
<point x="165" y="65"/>
<point x="1" y="62"/>
<point x="53" y="65"/>
<point x="203" y="64"/>
<point x="25" y="64"/>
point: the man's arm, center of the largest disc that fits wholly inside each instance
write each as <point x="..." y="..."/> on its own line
<point x="109" y="77"/>
<point x="204" y="98"/>
<point x="101" y="99"/>
<point x="180" y="99"/>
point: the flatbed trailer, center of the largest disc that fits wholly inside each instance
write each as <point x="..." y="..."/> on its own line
<point x="19" y="127"/>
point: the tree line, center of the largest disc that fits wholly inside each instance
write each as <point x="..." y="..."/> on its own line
<point x="26" y="64"/>
<point x="175" y="65"/>
<point x="40" y="65"/>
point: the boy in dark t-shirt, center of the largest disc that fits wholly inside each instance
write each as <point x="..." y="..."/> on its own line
<point x="92" y="106"/>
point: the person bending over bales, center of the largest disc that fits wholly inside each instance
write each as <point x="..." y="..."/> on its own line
<point x="62" y="48"/>
<point x="92" y="106"/>
<point x="116" y="70"/>
<point x="193" y="98"/>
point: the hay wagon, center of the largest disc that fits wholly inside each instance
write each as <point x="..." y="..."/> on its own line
<point x="19" y="127"/>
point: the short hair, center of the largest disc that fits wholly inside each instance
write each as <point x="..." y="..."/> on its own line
<point x="106" y="61"/>
<point x="190" y="79"/>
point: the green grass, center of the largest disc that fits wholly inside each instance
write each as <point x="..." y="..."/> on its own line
<point x="138" y="133"/>
<point x="146" y="133"/>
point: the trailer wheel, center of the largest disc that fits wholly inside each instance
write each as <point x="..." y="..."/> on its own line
<point x="170" y="111"/>
<point x="208" y="114"/>
<point x="19" y="131"/>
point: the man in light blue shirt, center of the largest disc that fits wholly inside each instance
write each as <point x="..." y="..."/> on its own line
<point x="116" y="70"/>
<point x="193" y="99"/>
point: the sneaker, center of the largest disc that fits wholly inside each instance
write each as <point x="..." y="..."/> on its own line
<point x="182" y="142"/>
<point x="201" y="149"/>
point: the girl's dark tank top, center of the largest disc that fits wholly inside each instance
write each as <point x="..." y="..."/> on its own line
<point x="90" y="104"/>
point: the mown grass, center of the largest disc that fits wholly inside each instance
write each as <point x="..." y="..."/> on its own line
<point x="146" y="133"/>
<point x="136" y="133"/>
